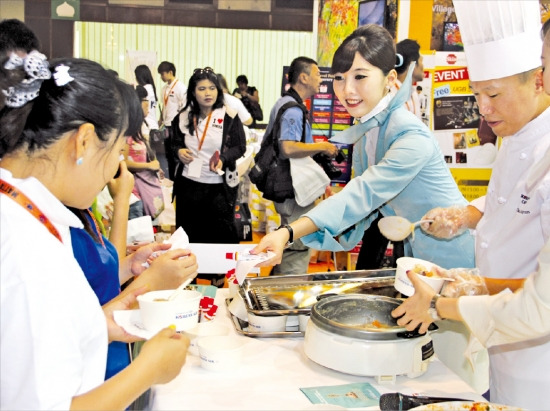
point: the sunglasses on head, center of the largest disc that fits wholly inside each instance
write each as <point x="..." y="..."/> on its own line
<point x="207" y="70"/>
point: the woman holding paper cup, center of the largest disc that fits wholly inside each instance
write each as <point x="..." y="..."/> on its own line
<point x="71" y="117"/>
<point x="398" y="164"/>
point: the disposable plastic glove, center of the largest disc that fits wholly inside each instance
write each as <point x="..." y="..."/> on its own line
<point x="467" y="281"/>
<point x="447" y="222"/>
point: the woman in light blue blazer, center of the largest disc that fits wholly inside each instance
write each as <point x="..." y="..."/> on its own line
<point x="398" y="166"/>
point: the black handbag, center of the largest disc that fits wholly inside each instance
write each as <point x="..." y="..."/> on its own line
<point x="271" y="174"/>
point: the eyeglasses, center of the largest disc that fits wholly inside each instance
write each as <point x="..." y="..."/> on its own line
<point x="206" y="70"/>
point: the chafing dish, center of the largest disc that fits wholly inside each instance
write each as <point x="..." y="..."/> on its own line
<point x="296" y="294"/>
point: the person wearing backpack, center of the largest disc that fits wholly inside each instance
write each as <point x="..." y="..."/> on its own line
<point x="304" y="78"/>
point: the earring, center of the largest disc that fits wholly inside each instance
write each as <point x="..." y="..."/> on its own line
<point x="79" y="161"/>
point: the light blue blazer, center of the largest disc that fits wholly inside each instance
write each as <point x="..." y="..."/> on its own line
<point x="410" y="178"/>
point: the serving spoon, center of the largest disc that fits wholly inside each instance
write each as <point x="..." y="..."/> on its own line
<point x="397" y="228"/>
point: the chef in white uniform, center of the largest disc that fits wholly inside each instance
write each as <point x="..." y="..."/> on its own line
<point x="512" y="221"/>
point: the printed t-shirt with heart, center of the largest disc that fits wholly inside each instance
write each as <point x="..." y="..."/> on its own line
<point x="212" y="142"/>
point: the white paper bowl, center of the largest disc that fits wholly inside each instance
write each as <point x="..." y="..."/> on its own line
<point x="237" y="307"/>
<point x="183" y="311"/>
<point x="204" y="329"/>
<point x="220" y="353"/>
<point x="264" y="324"/>
<point x="402" y="282"/>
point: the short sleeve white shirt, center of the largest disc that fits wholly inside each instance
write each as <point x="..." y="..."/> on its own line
<point x="53" y="334"/>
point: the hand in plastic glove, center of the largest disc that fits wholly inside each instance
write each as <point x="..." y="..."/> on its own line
<point x="467" y="281"/>
<point x="447" y="222"/>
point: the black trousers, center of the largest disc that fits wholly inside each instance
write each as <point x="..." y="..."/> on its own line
<point x="372" y="253"/>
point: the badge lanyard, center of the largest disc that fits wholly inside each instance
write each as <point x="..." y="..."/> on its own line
<point x="98" y="230"/>
<point x="165" y="98"/>
<point x="24" y="201"/>
<point x="201" y="141"/>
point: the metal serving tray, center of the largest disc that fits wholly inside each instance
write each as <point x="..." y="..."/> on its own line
<point x="295" y="294"/>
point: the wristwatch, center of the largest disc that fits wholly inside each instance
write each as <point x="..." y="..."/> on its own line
<point x="290" y="235"/>
<point x="432" y="310"/>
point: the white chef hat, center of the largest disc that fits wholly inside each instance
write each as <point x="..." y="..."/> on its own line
<point x="501" y="38"/>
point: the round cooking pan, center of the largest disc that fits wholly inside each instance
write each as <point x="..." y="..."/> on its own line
<point x="361" y="316"/>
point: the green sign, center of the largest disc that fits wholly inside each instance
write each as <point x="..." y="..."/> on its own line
<point x="66" y="9"/>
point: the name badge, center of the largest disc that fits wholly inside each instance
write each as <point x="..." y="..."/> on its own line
<point x="195" y="168"/>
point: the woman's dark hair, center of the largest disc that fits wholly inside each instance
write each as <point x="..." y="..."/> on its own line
<point x="141" y="92"/>
<point x="223" y="82"/>
<point x="192" y="104"/>
<point x="142" y="95"/>
<point x="15" y="35"/>
<point x="409" y="50"/>
<point x="373" y="42"/>
<point x="92" y="96"/>
<point x="242" y="79"/>
<point x="144" y="76"/>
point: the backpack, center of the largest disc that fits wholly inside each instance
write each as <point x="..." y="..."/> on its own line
<point x="271" y="174"/>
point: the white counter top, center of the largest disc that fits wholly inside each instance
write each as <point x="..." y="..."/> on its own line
<point x="272" y="374"/>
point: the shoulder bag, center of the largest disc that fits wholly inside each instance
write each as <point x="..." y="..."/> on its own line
<point x="149" y="188"/>
<point x="271" y="174"/>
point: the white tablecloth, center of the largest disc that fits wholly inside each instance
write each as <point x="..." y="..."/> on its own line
<point x="272" y="374"/>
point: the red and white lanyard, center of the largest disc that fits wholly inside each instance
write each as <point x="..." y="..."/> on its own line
<point x="166" y="96"/>
<point x="201" y="141"/>
<point x="24" y="201"/>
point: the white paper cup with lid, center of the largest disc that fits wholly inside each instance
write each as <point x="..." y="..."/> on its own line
<point x="157" y="312"/>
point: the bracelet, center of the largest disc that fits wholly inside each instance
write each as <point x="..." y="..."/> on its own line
<point x="290" y="235"/>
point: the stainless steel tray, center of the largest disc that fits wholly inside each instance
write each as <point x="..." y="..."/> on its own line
<point x="295" y="294"/>
<point x="242" y="328"/>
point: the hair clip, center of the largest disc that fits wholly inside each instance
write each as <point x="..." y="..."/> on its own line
<point x="36" y="68"/>
<point x="62" y="76"/>
<point x="13" y="62"/>
<point x="400" y="59"/>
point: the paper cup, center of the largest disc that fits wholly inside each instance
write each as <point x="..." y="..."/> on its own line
<point x="220" y="353"/>
<point x="233" y="289"/>
<point x="237" y="307"/>
<point x="402" y="282"/>
<point x="158" y="313"/>
<point x="206" y="329"/>
<point x="265" y="324"/>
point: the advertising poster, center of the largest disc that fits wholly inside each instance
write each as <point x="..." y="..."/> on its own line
<point x="327" y="117"/>
<point x="469" y="146"/>
<point x="337" y="20"/>
<point x="445" y="32"/>
<point x="424" y="90"/>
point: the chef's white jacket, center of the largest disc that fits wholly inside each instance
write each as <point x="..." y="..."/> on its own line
<point x="513" y="230"/>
